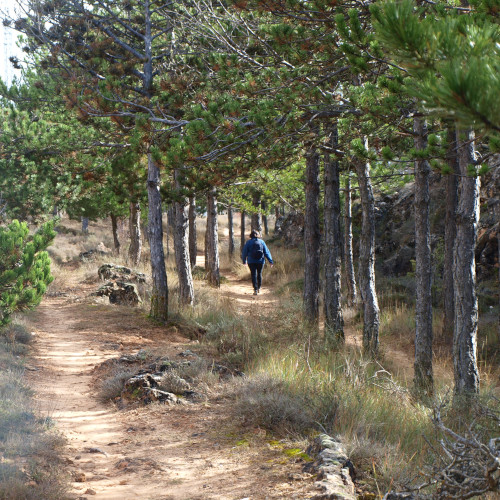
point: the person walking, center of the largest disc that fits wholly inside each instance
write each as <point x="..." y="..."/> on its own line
<point x="255" y="253"/>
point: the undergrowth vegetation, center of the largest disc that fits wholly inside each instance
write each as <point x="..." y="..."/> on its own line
<point x="29" y="445"/>
<point x="296" y="387"/>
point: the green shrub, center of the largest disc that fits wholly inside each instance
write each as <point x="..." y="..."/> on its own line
<point x="24" y="267"/>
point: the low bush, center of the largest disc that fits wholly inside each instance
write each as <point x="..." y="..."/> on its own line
<point x="112" y="385"/>
<point x="172" y="382"/>
<point x="268" y="403"/>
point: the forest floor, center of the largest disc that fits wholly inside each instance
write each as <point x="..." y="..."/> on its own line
<point x="194" y="451"/>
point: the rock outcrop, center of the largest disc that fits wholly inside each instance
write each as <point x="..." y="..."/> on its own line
<point x="290" y="229"/>
<point x="120" y="293"/>
<point x="121" y="286"/>
<point x="122" y="273"/>
<point x="334" y="470"/>
<point x="100" y="251"/>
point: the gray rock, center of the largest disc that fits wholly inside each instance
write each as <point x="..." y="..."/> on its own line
<point x="400" y="263"/>
<point x="122" y="273"/>
<point x="335" y="481"/>
<point x="119" y="293"/>
<point x="290" y="228"/>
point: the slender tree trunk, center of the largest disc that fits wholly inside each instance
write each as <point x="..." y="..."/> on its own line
<point x="243" y="229"/>
<point x="464" y="273"/>
<point x="159" y="292"/>
<point x="276" y="217"/>
<point x="334" y="321"/>
<point x="171" y="222"/>
<point x="135" y="248"/>
<point x="193" y="243"/>
<point x="257" y="216"/>
<point x="181" y="246"/>
<point x="312" y="239"/>
<point x="114" y="225"/>
<point x="497" y="213"/>
<point x="371" y="321"/>
<point x="450" y="232"/>
<point x="423" y="377"/>
<point x="85" y="225"/>
<point x="264" y="218"/>
<point x="231" y="229"/>
<point x="348" y="252"/>
<point x="206" y="241"/>
<point x="213" y="274"/>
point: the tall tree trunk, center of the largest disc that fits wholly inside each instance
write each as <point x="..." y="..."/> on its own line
<point x="264" y="218"/>
<point x="171" y="222"/>
<point x="135" y="248"/>
<point x="159" y="292"/>
<point x="312" y="239"/>
<point x="371" y="320"/>
<point x="348" y="252"/>
<point x="276" y="217"/>
<point x="213" y="271"/>
<point x="464" y="273"/>
<point x="114" y="226"/>
<point x="334" y="321"/>
<point x="450" y="232"/>
<point x="423" y="377"/>
<point x="193" y="243"/>
<point x="205" y="250"/>
<point x="85" y="225"/>
<point x="231" y="229"/>
<point x="181" y="246"/>
<point x="257" y="216"/>
<point x="497" y="213"/>
<point x="243" y="229"/>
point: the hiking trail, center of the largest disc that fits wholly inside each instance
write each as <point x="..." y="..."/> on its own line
<point x="157" y="452"/>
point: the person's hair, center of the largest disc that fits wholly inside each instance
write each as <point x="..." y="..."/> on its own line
<point x="254" y="234"/>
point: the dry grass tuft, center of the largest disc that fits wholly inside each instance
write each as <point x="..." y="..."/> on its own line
<point x="112" y="385"/>
<point x="29" y="447"/>
<point x="263" y="401"/>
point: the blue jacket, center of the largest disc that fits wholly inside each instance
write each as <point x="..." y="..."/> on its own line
<point x="246" y="255"/>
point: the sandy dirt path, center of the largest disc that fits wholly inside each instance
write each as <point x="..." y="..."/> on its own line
<point x="157" y="452"/>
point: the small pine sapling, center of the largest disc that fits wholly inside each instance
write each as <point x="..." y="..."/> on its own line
<point x="24" y="268"/>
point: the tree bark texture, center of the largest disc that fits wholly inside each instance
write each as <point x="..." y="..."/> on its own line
<point x="114" y="226"/>
<point x="135" y="248"/>
<point x="193" y="243"/>
<point x="159" y="292"/>
<point x="334" y="321"/>
<point x="312" y="239"/>
<point x="371" y="320"/>
<point x="206" y="239"/>
<point x="230" y="227"/>
<point x="497" y="213"/>
<point x="213" y="269"/>
<point x="243" y="229"/>
<point x="170" y="227"/>
<point x="256" y="223"/>
<point x="276" y="217"/>
<point x="264" y="218"/>
<point x="450" y="232"/>
<point x="181" y="246"/>
<point x="464" y="273"/>
<point x="348" y="252"/>
<point x="85" y="225"/>
<point x="423" y="376"/>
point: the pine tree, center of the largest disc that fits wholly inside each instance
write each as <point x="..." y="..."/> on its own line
<point x="24" y="267"/>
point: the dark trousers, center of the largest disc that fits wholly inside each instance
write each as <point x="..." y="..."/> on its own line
<point x="256" y="271"/>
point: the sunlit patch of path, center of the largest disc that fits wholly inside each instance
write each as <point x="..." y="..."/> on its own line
<point x="240" y="292"/>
